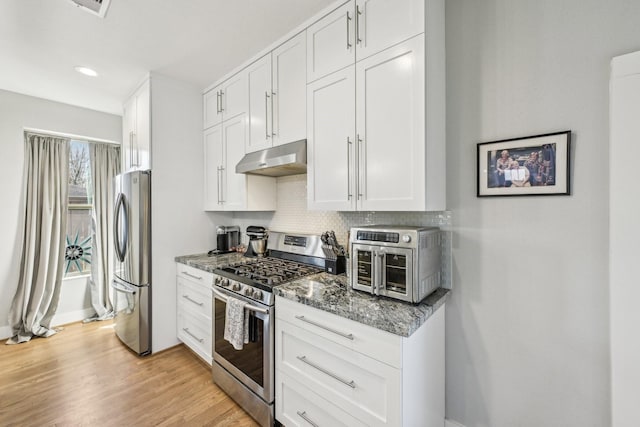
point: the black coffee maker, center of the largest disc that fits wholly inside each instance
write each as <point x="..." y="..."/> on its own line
<point x="257" y="241"/>
<point x="228" y="238"/>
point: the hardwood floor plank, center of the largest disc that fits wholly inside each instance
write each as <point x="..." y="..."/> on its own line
<point x="84" y="376"/>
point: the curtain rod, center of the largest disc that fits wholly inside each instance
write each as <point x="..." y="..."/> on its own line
<point x="70" y="136"/>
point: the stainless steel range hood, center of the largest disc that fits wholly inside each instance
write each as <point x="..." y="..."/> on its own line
<point x="282" y="160"/>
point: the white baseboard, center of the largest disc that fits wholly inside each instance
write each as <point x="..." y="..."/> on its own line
<point x="58" y="319"/>
<point x="5" y="332"/>
<point x="72" y="316"/>
<point x="450" y="423"/>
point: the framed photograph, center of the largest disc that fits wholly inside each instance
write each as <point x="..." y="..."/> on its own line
<point x="530" y="166"/>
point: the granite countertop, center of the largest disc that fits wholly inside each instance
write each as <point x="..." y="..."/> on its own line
<point x="332" y="294"/>
<point x="210" y="262"/>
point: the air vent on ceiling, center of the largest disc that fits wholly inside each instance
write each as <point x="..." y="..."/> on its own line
<point x="96" y="7"/>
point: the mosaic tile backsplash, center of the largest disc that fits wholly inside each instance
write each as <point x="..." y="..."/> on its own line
<point x="292" y="216"/>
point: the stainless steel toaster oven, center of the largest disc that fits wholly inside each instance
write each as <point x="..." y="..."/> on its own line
<point x="398" y="262"/>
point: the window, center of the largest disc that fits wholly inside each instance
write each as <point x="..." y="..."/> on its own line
<point x="78" y="240"/>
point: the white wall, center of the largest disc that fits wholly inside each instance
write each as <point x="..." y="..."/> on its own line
<point x="624" y="233"/>
<point x="528" y="323"/>
<point x="17" y="112"/>
<point x="179" y="224"/>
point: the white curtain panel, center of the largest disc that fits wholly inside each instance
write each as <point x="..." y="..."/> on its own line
<point x="43" y="247"/>
<point x="105" y="166"/>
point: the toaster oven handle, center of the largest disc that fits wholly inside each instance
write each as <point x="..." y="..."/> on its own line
<point x="380" y="267"/>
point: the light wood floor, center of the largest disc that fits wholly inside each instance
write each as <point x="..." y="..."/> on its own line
<point x="84" y="376"/>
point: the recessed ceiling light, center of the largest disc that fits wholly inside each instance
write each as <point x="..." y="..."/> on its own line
<point x="86" y="71"/>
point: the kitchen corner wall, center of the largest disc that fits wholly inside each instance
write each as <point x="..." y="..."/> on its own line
<point x="17" y="112"/>
<point x="528" y="321"/>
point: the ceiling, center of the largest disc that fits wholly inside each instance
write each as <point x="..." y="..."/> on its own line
<point x="196" y="41"/>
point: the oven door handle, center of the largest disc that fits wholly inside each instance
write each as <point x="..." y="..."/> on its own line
<point x="222" y="297"/>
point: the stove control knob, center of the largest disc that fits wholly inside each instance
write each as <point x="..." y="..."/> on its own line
<point x="217" y="280"/>
<point x="257" y="294"/>
<point x="235" y="287"/>
<point x="406" y="238"/>
<point x="224" y="282"/>
<point x="247" y="291"/>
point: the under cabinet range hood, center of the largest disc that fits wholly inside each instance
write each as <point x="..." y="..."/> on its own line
<point x="281" y="160"/>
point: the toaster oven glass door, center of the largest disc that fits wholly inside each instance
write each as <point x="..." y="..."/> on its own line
<point x="383" y="270"/>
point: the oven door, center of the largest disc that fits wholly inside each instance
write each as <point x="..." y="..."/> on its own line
<point x="253" y="365"/>
<point x="395" y="266"/>
<point x="383" y="270"/>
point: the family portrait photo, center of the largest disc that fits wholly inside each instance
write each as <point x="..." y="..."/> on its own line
<point x="535" y="165"/>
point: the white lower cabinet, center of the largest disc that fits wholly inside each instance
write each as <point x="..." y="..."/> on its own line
<point x="193" y="295"/>
<point x="334" y="371"/>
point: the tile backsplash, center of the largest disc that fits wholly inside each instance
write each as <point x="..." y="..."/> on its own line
<point x="292" y="216"/>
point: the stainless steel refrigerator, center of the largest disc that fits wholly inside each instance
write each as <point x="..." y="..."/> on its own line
<point x="132" y="278"/>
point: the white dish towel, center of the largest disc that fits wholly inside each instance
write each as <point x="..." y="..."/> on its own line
<point x="236" y="324"/>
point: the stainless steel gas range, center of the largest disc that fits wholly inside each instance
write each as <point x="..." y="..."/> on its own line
<point x="247" y="375"/>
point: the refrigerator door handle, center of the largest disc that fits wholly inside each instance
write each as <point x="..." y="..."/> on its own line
<point x="121" y="249"/>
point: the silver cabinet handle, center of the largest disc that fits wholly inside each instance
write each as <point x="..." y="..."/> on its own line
<point x="131" y="149"/>
<point x="348" y="31"/>
<point x="349" y="144"/>
<point x="324" y="371"/>
<point x="266" y="115"/>
<point x="221" y="100"/>
<point x="326" y="328"/>
<point x="188" y="298"/>
<point x="221" y="184"/>
<point x="304" y="416"/>
<point x="360" y="156"/>
<point x="186" y="273"/>
<point x="201" y="340"/>
<point x="273" y="97"/>
<point x="218" y="178"/>
<point x="358" y="13"/>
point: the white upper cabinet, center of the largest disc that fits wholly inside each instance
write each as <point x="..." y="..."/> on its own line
<point x="136" y="138"/>
<point x="359" y="29"/>
<point x="383" y="23"/>
<point x="394" y="155"/>
<point x="390" y="128"/>
<point x="277" y="89"/>
<point x="226" y="100"/>
<point x="331" y="141"/>
<point x="330" y="42"/>
<point x="260" y="105"/>
<point x="289" y="65"/>
<point x="226" y="190"/>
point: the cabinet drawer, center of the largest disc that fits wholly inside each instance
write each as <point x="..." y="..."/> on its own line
<point x="379" y="345"/>
<point x="196" y="334"/>
<point x="194" y="298"/>
<point x="194" y="274"/>
<point x="296" y="405"/>
<point x="366" y="388"/>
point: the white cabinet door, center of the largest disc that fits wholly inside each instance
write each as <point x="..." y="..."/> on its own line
<point x="213" y="161"/>
<point x="142" y="140"/>
<point x="234" y="98"/>
<point x="289" y="78"/>
<point x="136" y="129"/>
<point x="383" y="23"/>
<point x="128" y="131"/>
<point x="390" y="128"/>
<point x="330" y="42"/>
<point x="330" y="142"/>
<point x="234" y="185"/>
<point x="260" y="105"/>
<point x="212" y="108"/>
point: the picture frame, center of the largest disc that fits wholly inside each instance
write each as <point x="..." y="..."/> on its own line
<point x="535" y="165"/>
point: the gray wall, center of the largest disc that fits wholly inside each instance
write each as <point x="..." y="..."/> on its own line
<point x="17" y="112"/>
<point x="528" y="324"/>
